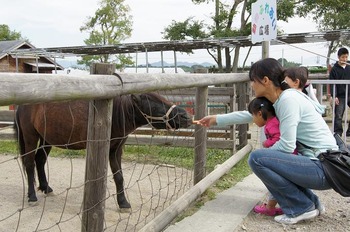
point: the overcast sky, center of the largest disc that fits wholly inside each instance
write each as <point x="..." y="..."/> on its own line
<point x="56" y="23"/>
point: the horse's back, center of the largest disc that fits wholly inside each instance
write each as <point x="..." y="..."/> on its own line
<point x="59" y="124"/>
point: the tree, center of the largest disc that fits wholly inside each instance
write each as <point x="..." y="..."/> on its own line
<point x="110" y="25"/>
<point x="7" y="34"/>
<point x="222" y="26"/>
<point x="330" y="15"/>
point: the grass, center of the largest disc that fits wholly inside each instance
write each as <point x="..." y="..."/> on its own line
<point x="178" y="156"/>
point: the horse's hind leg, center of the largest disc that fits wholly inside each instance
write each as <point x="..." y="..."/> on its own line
<point x="29" y="163"/>
<point x="115" y="163"/>
<point x="40" y="160"/>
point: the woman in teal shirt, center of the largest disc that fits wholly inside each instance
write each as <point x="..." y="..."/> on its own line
<point x="289" y="178"/>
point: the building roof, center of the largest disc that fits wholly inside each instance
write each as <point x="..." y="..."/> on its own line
<point x="19" y="48"/>
<point x="188" y="45"/>
<point x="7" y="47"/>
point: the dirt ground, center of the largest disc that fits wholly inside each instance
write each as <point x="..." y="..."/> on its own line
<point x="149" y="188"/>
<point x="336" y="218"/>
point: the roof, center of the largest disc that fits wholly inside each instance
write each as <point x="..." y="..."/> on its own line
<point x="9" y="46"/>
<point x="188" y="45"/>
<point x="15" y="48"/>
<point x="42" y="65"/>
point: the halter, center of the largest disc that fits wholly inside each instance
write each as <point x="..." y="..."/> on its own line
<point x="164" y="118"/>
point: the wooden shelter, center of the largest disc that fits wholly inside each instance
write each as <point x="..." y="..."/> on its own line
<point x="10" y="61"/>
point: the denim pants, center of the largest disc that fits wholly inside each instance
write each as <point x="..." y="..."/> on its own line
<point x="338" y="116"/>
<point x="289" y="178"/>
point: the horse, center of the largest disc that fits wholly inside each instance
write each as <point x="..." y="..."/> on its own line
<point x="64" y="125"/>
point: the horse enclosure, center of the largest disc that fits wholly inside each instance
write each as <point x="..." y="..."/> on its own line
<point x="36" y="88"/>
<point x="95" y="203"/>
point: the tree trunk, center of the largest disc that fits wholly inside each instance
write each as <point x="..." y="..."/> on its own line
<point x="235" y="59"/>
<point x="228" y="60"/>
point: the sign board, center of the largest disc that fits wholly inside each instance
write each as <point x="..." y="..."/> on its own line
<point x="264" y="21"/>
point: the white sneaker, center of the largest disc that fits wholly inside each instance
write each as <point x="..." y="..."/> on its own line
<point x="284" y="219"/>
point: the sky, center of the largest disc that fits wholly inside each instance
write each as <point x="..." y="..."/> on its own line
<point x="57" y="23"/>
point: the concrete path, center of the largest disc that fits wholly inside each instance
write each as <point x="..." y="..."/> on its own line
<point x="227" y="211"/>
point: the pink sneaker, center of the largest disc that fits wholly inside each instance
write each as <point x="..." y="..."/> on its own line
<point x="262" y="209"/>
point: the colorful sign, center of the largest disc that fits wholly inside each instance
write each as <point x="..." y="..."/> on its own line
<point x="264" y="21"/>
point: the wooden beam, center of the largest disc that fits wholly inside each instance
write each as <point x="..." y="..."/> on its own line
<point x="23" y="88"/>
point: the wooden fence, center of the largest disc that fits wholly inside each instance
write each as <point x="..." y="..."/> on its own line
<point x="220" y="100"/>
<point x="20" y="88"/>
<point x="34" y="88"/>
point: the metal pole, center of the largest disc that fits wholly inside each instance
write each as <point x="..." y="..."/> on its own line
<point x="175" y="61"/>
<point x="136" y="61"/>
<point x="146" y="60"/>
<point x="162" y="61"/>
<point x="265" y="49"/>
<point x="37" y="64"/>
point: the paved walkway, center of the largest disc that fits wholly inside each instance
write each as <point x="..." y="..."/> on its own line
<point x="227" y="211"/>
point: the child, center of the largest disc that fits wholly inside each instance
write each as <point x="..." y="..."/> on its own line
<point x="297" y="78"/>
<point x="264" y="115"/>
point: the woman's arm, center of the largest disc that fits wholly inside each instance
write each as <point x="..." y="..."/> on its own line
<point x="237" y="117"/>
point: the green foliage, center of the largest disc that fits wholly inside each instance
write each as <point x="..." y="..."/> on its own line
<point x="185" y="30"/>
<point x="329" y="15"/>
<point x="8" y="147"/>
<point x="223" y="25"/>
<point x="288" y="64"/>
<point x="110" y="25"/>
<point x="7" y="34"/>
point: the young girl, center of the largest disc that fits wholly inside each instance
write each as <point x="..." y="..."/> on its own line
<point x="264" y="115"/>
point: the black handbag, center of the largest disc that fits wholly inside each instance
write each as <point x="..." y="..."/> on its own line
<point x="336" y="166"/>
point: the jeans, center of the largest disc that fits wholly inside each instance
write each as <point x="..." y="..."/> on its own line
<point x="289" y="178"/>
<point x="338" y="116"/>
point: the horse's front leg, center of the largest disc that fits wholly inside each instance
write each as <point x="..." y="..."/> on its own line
<point x="116" y="167"/>
<point x="40" y="160"/>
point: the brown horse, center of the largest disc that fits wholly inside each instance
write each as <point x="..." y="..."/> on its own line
<point x="64" y="125"/>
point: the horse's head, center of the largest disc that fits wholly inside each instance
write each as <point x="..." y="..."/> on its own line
<point x="160" y="113"/>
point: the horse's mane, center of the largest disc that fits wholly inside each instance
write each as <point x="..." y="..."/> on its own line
<point x="124" y="113"/>
<point x="125" y="110"/>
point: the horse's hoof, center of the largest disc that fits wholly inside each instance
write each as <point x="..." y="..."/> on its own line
<point x="50" y="194"/>
<point x="125" y="210"/>
<point x="33" y="203"/>
<point x="45" y="190"/>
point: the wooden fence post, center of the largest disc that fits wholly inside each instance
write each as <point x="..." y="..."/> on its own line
<point x="97" y="153"/>
<point x="242" y="95"/>
<point x="200" y="143"/>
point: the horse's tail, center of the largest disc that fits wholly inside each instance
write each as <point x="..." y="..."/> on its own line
<point x="18" y="133"/>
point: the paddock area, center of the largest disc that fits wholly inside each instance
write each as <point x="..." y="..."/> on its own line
<point x="149" y="188"/>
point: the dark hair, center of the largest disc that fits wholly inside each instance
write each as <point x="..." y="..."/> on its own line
<point x="342" y="51"/>
<point x="261" y="104"/>
<point x="270" y="68"/>
<point x="297" y="73"/>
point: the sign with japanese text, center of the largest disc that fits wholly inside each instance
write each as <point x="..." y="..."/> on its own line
<point x="264" y="21"/>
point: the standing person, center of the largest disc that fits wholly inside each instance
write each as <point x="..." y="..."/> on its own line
<point x="289" y="178"/>
<point x="264" y="115"/>
<point x="340" y="71"/>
